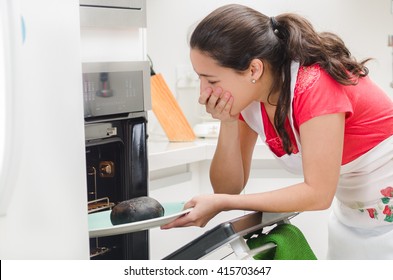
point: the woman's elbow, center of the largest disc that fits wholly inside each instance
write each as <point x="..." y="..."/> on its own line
<point x="323" y="205"/>
<point x="227" y="189"/>
<point x="227" y="186"/>
<point x="323" y="202"/>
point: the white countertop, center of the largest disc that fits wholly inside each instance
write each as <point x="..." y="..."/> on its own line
<point x="165" y="154"/>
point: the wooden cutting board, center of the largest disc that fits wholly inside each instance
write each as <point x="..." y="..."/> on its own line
<point x="168" y="112"/>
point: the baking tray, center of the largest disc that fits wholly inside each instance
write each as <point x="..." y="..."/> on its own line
<point x="100" y="224"/>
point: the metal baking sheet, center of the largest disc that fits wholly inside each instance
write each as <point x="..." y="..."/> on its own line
<point x="100" y="224"/>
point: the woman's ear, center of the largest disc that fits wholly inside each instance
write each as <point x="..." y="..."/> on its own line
<point x="256" y="69"/>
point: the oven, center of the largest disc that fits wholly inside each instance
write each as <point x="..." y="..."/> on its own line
<point x="116" y="99"/>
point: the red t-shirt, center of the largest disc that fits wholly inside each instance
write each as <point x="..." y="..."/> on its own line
<point x="369" y="111"/>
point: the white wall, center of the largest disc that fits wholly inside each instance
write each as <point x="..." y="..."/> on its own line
<point x="363" y="24"/>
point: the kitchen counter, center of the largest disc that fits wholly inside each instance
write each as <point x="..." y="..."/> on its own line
<point x="165" y="154"/>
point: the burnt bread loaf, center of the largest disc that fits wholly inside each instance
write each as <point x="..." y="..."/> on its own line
<point x="136" y="209"/>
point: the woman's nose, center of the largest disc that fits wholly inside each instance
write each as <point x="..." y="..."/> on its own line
<point x="203" y="85"/>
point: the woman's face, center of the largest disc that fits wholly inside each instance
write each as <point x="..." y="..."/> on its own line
<point x="212" y="75"/>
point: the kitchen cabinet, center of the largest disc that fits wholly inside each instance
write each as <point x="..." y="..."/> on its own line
<point x="179" y="171"/>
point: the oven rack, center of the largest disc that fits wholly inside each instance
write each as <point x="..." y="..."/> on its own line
<point x="99" y="205"/>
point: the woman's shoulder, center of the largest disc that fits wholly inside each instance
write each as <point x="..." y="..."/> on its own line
<point x="309" y="76"/>
<point x="317" y="93"/>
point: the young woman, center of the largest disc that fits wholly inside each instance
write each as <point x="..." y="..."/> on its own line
<point x="317" y="110"/>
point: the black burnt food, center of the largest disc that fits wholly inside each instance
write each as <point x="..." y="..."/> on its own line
<point x="136" y="209"/>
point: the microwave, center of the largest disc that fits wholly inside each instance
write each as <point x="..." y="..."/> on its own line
<point x="115" y="88"/>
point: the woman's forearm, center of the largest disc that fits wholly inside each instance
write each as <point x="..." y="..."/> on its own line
<point x="295" y="198"/>
<point x="226" y="170"/>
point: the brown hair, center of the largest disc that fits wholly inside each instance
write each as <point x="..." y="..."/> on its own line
<point x="233" y="35"/>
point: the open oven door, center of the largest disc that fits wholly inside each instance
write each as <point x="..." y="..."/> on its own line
<point x="228" y="239"/>
<point x="223" y="241"/>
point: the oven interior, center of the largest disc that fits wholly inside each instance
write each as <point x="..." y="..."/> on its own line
<point x="116" y="169"/>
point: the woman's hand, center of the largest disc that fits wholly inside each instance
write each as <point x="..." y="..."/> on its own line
<point x="205" y="207"/>
<point x="218" y="103"/>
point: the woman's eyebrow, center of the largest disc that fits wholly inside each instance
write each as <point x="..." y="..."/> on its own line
<point x="206" y="75"/>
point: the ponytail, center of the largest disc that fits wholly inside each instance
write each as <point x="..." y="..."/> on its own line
<point x="305" y="45"/>
<point x="308" y="47"/>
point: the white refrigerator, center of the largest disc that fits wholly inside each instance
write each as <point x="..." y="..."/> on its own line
<point x="43" y="211"/>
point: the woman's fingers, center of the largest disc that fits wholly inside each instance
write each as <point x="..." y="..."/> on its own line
<point x="204" y="209"/>
<point x="218" y="103"/>
<point x="204" y="96"/>
<point x="222" y="102"/>
<point x="182" y="221"/>
<point x="213" y="99"/>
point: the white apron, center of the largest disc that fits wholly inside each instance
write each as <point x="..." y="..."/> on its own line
<point x="361" y="224"/>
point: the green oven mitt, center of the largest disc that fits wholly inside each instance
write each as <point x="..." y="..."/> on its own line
<point x="290" y="241"/>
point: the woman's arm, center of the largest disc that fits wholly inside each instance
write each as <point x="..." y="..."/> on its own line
<point x="231" y="162"/>
<point x="322" y="145"/>
<point x="232" y="159"/>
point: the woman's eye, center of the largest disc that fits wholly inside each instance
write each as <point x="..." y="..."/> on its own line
<point x="212" y="82"/>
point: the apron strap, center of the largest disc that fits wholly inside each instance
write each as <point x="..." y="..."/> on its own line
<point x="294" y="71"/>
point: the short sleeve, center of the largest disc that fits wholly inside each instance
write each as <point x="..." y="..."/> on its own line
<point x="316" y="94"/>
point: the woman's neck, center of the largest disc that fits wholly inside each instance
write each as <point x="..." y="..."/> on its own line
<point x="267" y="96"/>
